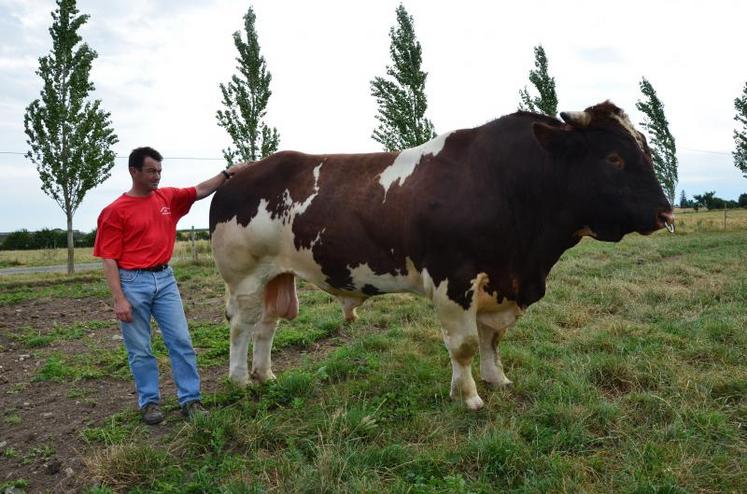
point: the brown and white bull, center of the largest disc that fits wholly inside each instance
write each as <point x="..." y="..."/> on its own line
<point x="474" y="220"/>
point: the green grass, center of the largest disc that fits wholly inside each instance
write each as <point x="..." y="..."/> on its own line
<point x="96" y="363"/>
<point x="629" y="376"/>
<point x="12" y="418"/>
<point x="711" y="221"/>
<point x="34" y="338"/>
<point x="14" y="484"/>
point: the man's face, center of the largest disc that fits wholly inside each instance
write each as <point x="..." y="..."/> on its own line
<point x="149" y="176"/>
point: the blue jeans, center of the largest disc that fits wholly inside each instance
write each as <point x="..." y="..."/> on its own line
<point x="156" y="294"/>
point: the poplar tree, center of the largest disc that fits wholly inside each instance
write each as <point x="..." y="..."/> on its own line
<point x="683" y="200"/>
<point x="740" y="136"/>
<point x="663" y="147"/>
<point x="69" y="135"/>
<point x="245" y="99"/>
<point x="547" y="101"/>
<point x="400" y="95"/>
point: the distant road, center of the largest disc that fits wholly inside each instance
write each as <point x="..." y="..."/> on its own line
<point x="61" y="268"/>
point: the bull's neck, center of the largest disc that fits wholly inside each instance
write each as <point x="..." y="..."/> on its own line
<point x="551" y="230"/>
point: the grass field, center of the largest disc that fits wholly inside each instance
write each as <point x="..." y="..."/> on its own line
<point x="690" y="221"/>
<point x="629" y="376"/>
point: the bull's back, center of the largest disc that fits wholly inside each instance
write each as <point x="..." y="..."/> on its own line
<point x="277" y="210"/>
<point x="353" y="222"/>
<point x="288" y="177"/>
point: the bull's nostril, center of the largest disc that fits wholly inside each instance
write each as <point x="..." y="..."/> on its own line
<point x="665" y="219"/>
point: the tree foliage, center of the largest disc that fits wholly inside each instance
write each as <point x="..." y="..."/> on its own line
<point x="69" y="135"/>
<point x="45" y="239"/>
<point x="740" y="133"/>
<point x="663" y="147"/>
<point x="547" y="101"/>
<point x="711" y="201"/>
<point x="245" y="99"/>
<point x="401" y="95"/>
<point x="684" y="203"/>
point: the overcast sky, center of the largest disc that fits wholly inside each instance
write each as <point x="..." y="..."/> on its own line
<point x="160" y="63"/>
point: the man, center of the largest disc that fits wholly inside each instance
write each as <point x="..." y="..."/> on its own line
<point x="135" y="240"/>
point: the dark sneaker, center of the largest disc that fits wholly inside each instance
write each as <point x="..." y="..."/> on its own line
<point x="192" y="409"/>
<point x="152" y="414"/>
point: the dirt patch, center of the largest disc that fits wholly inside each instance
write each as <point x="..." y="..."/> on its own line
<point x="204" y="309"/>
<point x="41" y="422"/>
<point x="45" y="313"/>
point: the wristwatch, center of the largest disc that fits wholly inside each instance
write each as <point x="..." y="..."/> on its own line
<point x="226" y="174"/>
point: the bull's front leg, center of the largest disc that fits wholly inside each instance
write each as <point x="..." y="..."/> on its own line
<point x="349" y="304"/>
<point x="492" y="326"/>
<point x="460" y="335"/>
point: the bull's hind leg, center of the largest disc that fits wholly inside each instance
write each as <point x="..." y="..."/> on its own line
<point x="460" y="336"/>
<point x="253" y="309"/>
<point x="492" y="326"/>
<point x="243" y="310"/>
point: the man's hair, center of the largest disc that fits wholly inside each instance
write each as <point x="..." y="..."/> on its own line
<point x="138" y="155"/>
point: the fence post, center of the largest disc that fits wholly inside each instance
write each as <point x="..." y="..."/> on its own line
<point x="724" y="217"/>
<point x="194" y="247"/>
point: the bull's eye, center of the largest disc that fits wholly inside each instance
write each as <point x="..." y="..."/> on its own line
<point x="615" y="160"/>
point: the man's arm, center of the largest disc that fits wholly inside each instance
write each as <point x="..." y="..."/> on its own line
<point x="210" y="185"/>
<point x="122" y="307"/>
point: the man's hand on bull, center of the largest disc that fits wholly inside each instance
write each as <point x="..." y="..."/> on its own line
<point x="234" y="169"/>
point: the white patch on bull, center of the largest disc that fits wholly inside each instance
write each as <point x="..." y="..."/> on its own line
<point x="409" y="281"/>
<point x="318" y="238"/>
<point x="488" y="303"/>
<point x="292" y="209"/>
<point x="301" y="207"/>
<point x="263" y="249"/>
<point x="439" y="292"/>
<point x="407" y="159"/>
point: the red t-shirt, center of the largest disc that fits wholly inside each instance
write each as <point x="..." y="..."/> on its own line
<point x="139" y="232"/>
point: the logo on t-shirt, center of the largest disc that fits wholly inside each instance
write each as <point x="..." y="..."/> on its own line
<point x="166" y="211"/>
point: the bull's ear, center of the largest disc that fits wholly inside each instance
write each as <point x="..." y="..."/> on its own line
<point x="556" y="140"/>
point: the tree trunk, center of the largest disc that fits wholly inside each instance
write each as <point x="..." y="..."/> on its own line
<point x="70" y="245"/>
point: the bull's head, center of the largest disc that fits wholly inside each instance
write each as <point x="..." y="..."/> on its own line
<point x="607" y="165"/>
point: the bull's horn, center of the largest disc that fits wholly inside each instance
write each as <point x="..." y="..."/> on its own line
<point x="577" y="118"/>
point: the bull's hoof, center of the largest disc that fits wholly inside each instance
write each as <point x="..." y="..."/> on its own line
<point x="504" y="383"/>
<point x="239" y="379"/>
<point x="474" y="403"/>
<point x="350" y="315"/>
<point x="262" y="377"/>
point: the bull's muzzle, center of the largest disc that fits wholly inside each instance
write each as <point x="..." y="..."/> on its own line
<point x="665" y="219"/>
